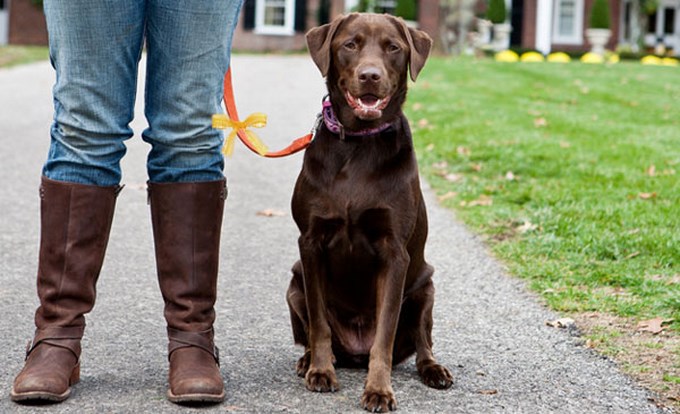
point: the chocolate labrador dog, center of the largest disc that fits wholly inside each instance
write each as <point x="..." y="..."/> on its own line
<point x="362" y="293"/>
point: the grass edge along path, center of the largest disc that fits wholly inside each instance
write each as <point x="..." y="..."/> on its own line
<point x="19" y="55"/>
<point x="571" y="172"/>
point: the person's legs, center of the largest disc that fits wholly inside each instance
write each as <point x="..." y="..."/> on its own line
<point x="189" y="46"/>
<point x="188" y="55"/>
<point x="94" y="47"/>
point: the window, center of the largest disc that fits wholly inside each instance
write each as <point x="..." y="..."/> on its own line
<point x="385" y="6"/>
<point x="668" y="21"/>
<point x="275" y="17"/>
<point x="568" y="22"/>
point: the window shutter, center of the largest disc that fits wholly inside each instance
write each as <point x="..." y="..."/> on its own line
<point x="300" y="15"/>
<point x="249" y="14"/>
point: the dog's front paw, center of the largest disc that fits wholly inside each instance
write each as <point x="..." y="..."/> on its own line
<point x="321" y="380"/>
<point x="436" y="376"/>
<point x="378" y="401"/>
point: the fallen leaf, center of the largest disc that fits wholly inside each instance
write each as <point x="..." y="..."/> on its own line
<point x="667" y="279"/>
<point x="651" y="171"/>
<point x="619" y="291"/>
<point x="417" y="106"/>
<point x="655" y="326"/>
<point x="450" y="194"/>
<point x="423" y="123"/>
<point x="476" y="167"/>
<point x="454" y="178"/>
<point x="464" y="151"/>
<point x="565" y="144"/>
<point x="268" y="212"/>
<point x="647" y="196"/>
<point x="487" y="392"/>
<point x="429" y="147"/>
<point x="540" y="122"/>
<point x="526" y="227"/>
<point x="510" y="176"/>
<point x="441" y="165"/>
<point x="561" y="323"/>
<point x="483" y="200"/>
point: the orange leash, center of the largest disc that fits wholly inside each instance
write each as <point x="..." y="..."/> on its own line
<point x="239" y="128"/>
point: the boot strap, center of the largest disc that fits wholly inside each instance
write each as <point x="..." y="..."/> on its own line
<point x="63" y="337"/>
<point x="203" y="340"/>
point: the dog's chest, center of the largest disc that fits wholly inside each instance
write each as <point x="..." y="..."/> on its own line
<point x="357" y="206"/>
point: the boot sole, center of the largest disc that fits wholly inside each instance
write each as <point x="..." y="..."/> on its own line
<point x="38" y="396"/>
<point x="195" y="398"/>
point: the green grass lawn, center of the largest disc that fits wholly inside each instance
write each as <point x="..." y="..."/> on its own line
<point x="17" y="55"/>
<point x="571" y="170"/>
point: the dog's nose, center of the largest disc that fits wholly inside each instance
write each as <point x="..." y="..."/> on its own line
<point x="370" y="74"/>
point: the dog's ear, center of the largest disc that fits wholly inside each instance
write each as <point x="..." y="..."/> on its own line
<point x="419" y="44"/>
<point x="319" y="44"/>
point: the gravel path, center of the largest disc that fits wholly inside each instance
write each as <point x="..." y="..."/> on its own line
<point x="488" y="330"/>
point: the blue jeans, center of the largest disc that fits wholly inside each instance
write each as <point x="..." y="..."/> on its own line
<point x="95" y="48"/>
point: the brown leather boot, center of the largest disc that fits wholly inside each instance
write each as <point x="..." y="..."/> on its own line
<point x="187" y="221"/>
<point x="75" y="224"/>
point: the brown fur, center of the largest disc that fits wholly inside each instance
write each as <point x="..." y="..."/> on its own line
<point x="362" y="293"/>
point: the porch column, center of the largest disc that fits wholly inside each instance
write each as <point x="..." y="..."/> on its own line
<point x="544" y="12"/>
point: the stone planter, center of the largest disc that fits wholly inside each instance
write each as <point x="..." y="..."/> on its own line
<point x="598" y="38"/>
<point x="484" y="33"/>
<point x="501" y="36"/>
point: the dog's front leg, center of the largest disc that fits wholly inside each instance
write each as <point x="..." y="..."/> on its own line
<point x="378" y="394"/>
<point x="320" y="376"/>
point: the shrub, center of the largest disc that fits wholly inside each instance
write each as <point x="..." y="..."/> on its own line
<point x="599" y="15"/>
<point x="407" y="9"/>
<point x="496" y="11"/>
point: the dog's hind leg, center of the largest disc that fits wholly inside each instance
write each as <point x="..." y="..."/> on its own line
<point x="298" y="317"/>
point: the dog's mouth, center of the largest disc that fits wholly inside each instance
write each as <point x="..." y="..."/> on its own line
<point x="367" y="107"/>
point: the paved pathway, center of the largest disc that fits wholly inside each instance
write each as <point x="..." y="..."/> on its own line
<point x="488" y="330"/>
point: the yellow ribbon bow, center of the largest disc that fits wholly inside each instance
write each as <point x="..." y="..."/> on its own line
<point x="256" y="120"/>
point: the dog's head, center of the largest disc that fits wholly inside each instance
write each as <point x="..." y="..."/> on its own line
<point x="366" y="59"/>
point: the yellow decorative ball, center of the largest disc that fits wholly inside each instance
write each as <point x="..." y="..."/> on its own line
<point x="592" y="58"/>
<point x="532" y="57"/>
<point x="559" y="57"/>
<point x="506" y="56"/>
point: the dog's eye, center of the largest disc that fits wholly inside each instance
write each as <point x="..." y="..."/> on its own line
<point x="393" y="48"/>
<point x="350" y="45"/>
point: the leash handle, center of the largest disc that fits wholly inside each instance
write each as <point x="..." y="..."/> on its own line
<point x="230" y="104"/>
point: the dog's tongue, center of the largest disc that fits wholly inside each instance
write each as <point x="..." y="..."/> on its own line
<point x="367" y="107"/>
<point x="369" y="100"/>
